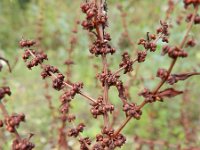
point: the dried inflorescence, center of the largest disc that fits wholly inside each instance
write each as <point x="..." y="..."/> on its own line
<point x="75" y="131"/>
<point x="141" y="56"/>
<point x="96" y="22"/>
<point x="196" y="19"/>
<point x="132" y="110"/>
<point x="99" y="108"/>
<point x="23" y="144"/>
<point x="108" y="140"/>
<point x="39" y="57"/>
<point x="126" y="63"/>
<point x="92" y="21"/>
<point x="84" y="143"/>
<point x="4" y="91"/>
<point x="12" y="122"/>
<point x="174" y="52"/>
<point x="47" y="70"/>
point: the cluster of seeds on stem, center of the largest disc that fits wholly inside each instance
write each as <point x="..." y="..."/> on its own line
<point x="191" y="2"/>
<point x="108" y="140"/>
<point x="174" y="52"/>
<point x="75" y="131"/>
<point x="99" y="108"/>
<point x="23" y="144"/>
<point x="12" y="122"/>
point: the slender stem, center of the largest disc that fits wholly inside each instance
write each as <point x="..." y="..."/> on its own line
<point x="122" y="126"/>
<point x="80" y="92"/>
<point x="100" y="33"/>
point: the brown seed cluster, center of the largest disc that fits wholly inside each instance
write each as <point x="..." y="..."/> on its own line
<point x="107" y="140"/>
<point x="190" y="43"/>
<point x="174" y="52"/>
<point x="141" y="56"/>
<point x="126" y="62"/>
<point x="23" y="144"/>
<point x="84" y="143"/>
<point x="132" y="110"/>
<point x="38" y="58"/>
<point x="99" y="108"/>
<point x="47" y="70"/>
<point x="112" y="80"/>
<point x="67" y="96"/>
<point x="13" y="121"/>
<point x="150" y="42"/>
<point x="4" y="91"/>
<point x="92" y="21"/>
<point x="101" y="48"/>
<point x="162" y="73"/>
<point x="26" y="43"/>
<point x="196" y="19"/>
<point x="75" y="131"/>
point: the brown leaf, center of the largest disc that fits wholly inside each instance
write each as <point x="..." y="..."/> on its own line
<point x="170" y="92"/>
<point x="176" y="77"/>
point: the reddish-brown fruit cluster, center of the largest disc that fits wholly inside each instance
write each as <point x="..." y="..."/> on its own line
<point x="196" y="19"/>
<point x="26" y="43"/>
<point x="162" y="73"/>
<point x="174" y="52"/>
<point x="190" y="43"/>
<point x="84" y="142"/>
<point x="23" y="144"/>
<point x="141" y="55"/>
<point x="191" y="2"/>
<point x="108" y="140"/>
<point x="13" y="121"/>
<point x="58" y="82"/>
<point x="38" y="58"/>
<point x="99" y="108"/>
<point x="164" y="29"/>
<point x="132" y="110"/>
<point x="101" y="48"/>
<point x="126" y="62"/>
<point x="68" y="95"/>
<point x="76" y="131"/>
<point x="47" y="70"/>
<point x="148" y="44"/>
<point x="93" y="19"/>
<point x="4" y="91"/>
<point x="108" y="78"/>
<point x="112" y="80"/>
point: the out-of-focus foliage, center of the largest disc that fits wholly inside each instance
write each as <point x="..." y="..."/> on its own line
<point x="19" y="18"/>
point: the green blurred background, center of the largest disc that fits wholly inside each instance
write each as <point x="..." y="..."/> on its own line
<point x="54" y="20"/>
